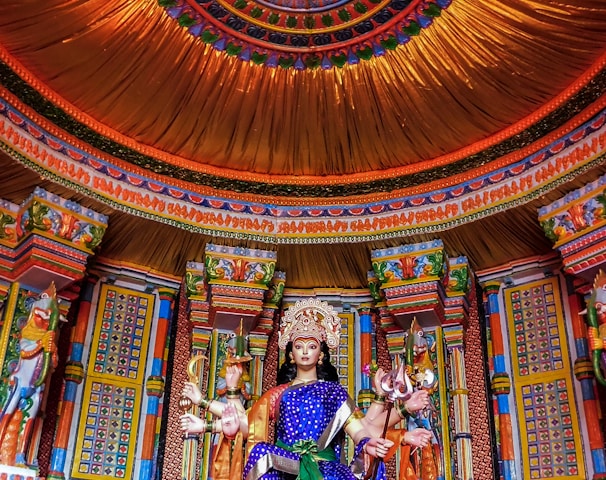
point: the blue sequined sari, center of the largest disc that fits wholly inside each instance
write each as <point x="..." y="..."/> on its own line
<point x="308" y="417"/>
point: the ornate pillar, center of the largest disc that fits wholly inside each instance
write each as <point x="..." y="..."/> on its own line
<point x="418" y="281"/>
<point x="47" y="239"/>
<point x="458" y="286"/>
<point x="576" y="224"/>
<point x="228" y="293"/>
<point x="583" y="371"/>
<point x="454" y="343"/>
<point x="74" y="374"/>
<point x="411" y="277"/>
<point x="201" y="332"/>
<point x="501" y="381"/>
<point x="155" y="382"/>
<point x="365" y="395"/>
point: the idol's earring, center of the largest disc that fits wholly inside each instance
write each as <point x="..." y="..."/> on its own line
<point x="292" y="360"/>
<point x="321" y="358"/>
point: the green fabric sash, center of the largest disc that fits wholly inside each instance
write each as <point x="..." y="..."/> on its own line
<point x="308" y="449"/>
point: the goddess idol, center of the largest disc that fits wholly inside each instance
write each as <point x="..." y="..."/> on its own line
<point x="310" y="409"/>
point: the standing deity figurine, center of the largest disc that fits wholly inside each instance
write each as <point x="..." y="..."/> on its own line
<point x="37" y="357"/>
<point x="596" y="322"/>
<point x="421" y="370"/>
<point x="233" y="389"/>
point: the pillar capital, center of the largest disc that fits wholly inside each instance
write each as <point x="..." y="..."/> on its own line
<point x="454" y="336"/>
<point x="48" y="237"/>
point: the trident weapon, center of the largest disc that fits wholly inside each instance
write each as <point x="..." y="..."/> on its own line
<point x="397" y="386"/>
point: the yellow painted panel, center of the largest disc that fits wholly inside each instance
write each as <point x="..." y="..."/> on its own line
<point x="107" y="430"/>
<point x="121" y="335"/>
<point x="543" y="382"/>
<point x="113" y="389"/>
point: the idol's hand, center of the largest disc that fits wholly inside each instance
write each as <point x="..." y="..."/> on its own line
<point x="230" y="421"/>
<point x="232" y="375"/>
<point x="419" y="437"/>
<point x="379" y="374"/>
<point x="191" y="391"/>
<point x="417" y="401"/>
<point x="192" y="424"/>
<point x="378" y="447"/>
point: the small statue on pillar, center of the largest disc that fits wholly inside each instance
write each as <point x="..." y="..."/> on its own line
<point x="236" y="354"/>
<point x="233" y="383"/>
<point x="420" y="368"/>
<point x="596" y="322"/>
<point x="37" y="358"/>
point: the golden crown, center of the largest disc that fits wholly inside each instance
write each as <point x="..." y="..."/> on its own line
<point x="310" y="318"/>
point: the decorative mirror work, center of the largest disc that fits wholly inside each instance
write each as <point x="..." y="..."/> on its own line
<point x="304" y="34"/>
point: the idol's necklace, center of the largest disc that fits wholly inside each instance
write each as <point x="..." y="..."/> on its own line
<point x="303" y="382"/>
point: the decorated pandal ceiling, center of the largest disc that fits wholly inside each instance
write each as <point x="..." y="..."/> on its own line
<point x="322" y="129"/>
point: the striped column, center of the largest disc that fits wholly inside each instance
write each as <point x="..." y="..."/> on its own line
<point x="583" y="371"/>
<point x="365" y="343"/>
<point x="204" y="341"/>
<point x="365" y="395"/>
<point x="155" y="382"/>
<point x="74" y="374"/>
<point x="201" y="334"/>
<point x="501" y="381"/>
<point x="10" y="304"/>
<point x="462" y="429"/>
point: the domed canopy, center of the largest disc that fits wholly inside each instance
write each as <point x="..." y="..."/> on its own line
<point x="338" y="126"/>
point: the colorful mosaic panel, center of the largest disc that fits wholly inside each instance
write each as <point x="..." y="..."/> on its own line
<point x="536" y="329"/>
<point x="107" y="431"/>
<point x="121" y="333"/>
<point x="544" y="385"/>
<point x="549" y="426"/>
<point x="113" y="390"/>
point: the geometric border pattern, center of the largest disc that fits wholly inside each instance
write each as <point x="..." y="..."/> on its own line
<point x="324" y="33"/>
<point x="343" y="358"/>
<point x="537" y="336"/>
<point x="290" y="220"/>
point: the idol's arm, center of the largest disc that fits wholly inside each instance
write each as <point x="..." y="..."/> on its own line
<point x="356" y="429"/>
<point x="191" y="391"/>
<point x="376" y="446"/>
<point x="376" y="413"/>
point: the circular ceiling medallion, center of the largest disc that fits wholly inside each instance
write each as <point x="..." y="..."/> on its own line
<point x="304" y="34"/>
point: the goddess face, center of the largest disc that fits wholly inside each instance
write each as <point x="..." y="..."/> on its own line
<point x="306" y="352"/>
